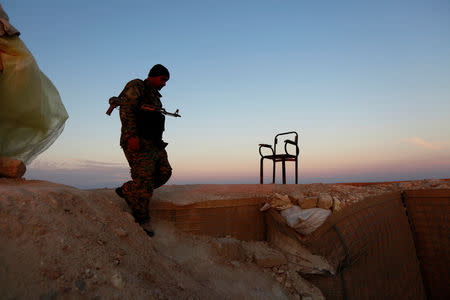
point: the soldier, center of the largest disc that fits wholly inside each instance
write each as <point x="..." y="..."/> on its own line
<point x="141" y="141"/>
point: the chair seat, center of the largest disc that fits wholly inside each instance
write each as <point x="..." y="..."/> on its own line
<point x="279" y="157"/>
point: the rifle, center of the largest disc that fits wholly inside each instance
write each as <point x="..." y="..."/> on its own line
<point x="116" y="101"/>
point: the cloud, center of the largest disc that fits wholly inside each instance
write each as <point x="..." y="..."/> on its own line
<point x="424" y="144"/>
<point x="80" y="173"/>
<point x="98" y="164"/>
<point x="71" y="164"/>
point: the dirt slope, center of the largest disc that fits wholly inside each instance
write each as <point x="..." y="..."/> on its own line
<point x="59" y="242"/>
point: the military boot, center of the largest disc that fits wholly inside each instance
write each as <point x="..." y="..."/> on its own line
<point x="119" y="192"/>
<point x="148" y="228"/>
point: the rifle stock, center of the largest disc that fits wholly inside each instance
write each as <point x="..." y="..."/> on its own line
<point x="113" y="103"/>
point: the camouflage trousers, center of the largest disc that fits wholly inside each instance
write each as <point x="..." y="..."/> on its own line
<point x="150" y="169"/>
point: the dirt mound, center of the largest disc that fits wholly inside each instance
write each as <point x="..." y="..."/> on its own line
<point x="58" y="242"/>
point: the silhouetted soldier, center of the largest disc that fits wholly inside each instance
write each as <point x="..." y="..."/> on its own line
<point x="141" y="141"/>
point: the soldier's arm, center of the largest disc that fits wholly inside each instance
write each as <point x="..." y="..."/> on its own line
<point x="128" y="110"/>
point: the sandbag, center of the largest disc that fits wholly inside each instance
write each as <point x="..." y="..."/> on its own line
<point x="278" y="201"/>
<point x="305" y="221"/>
<point x="32" y="114"/>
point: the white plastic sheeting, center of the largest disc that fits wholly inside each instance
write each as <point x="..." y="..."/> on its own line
<point x="32" y="115"/>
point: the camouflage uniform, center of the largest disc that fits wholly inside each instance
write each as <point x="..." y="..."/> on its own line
<point x="150" y="167"/>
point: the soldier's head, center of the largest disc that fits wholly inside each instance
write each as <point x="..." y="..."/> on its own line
<point x="158" y="76"/>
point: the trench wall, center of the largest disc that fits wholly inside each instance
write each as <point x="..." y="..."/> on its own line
<point x="429" y="212"/>
<point x="371" y="247"/>
<point x="239" y="218"/>
<point x="391" y="246"/>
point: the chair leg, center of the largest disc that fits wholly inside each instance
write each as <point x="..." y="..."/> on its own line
<point x="296" y="171"/>
<point x="261" y="171"/>
<point x="273" y="175"/>
<point x="284" y="171"/>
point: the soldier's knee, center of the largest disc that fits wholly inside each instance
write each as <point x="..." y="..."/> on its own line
<point x="166" y="174"/>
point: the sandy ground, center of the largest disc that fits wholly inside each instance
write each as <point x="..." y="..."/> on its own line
<point x="59" y="242"/>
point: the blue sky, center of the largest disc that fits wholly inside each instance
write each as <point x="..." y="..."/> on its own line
<point x="365" y="83"/>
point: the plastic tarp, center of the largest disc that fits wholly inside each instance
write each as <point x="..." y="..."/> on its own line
<point x="305" y="221"/>
<point x="32" y="115"/>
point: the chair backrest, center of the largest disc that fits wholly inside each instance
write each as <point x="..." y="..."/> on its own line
<point x="295" y="140"/>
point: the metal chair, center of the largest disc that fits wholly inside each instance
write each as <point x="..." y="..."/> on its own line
<point x="283" y="158"/>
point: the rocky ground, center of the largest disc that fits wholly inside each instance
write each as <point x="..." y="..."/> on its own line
<point x="59" y="242"/>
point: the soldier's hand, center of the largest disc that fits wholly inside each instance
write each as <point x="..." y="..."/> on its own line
<point x="133" y="144"/>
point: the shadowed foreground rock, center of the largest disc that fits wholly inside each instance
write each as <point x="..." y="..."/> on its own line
<point x="11" y="168"/>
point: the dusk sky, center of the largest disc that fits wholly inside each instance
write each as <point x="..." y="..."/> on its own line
<point x="365" y="83"/>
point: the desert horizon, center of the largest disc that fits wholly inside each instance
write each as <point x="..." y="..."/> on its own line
<point x="87" y="177"/>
